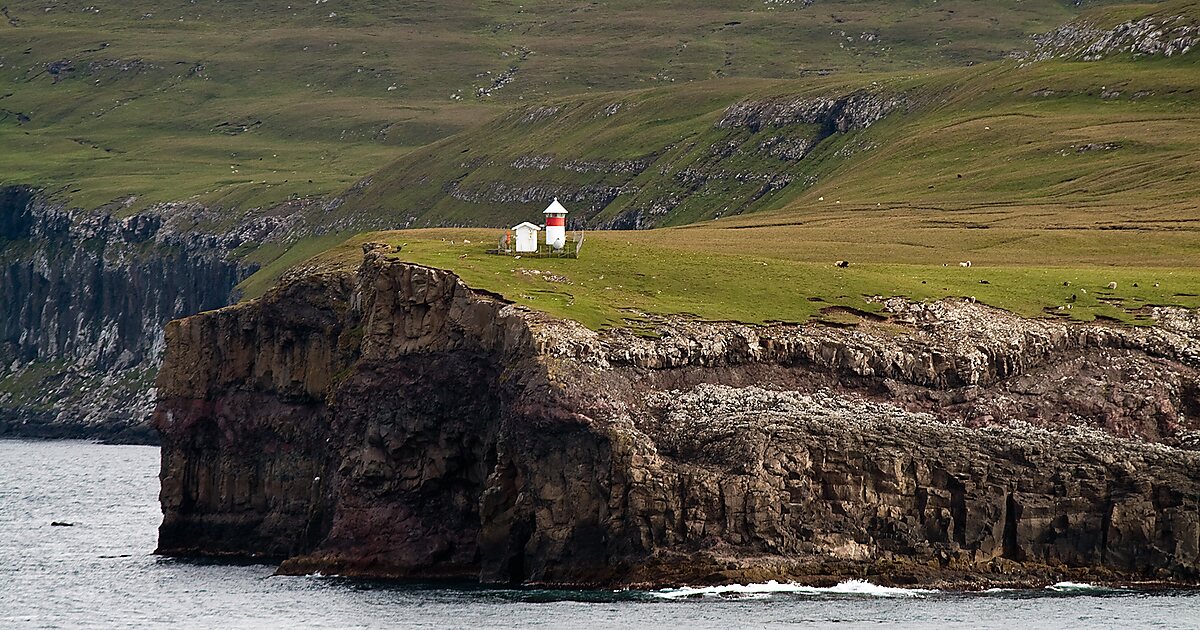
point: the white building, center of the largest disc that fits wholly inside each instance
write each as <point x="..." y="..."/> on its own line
<point x="526" y="237"/>
<point x="556" y="224"/>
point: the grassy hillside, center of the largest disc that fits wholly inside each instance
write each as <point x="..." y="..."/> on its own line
<point x="1108" y="144"/>
<point x="781" y="135"/>
<point x="242" y="104"/>
<point x="1055" y="179"/>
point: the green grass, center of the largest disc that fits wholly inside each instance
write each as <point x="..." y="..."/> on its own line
<point x="254" y="172"/>
<point x="277" y="259"/>
<point x="983" y="164"/>
<point x="626" y="279"/>
<point x="143" y="115"/>
<point x="996" y="145"/>
<point x="27" y="385"/>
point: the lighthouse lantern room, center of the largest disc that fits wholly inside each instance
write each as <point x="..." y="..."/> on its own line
<point x="556" y="224"/>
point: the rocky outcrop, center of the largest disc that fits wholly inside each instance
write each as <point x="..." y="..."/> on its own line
<point x="773" y="135"/>
<point x="1152" y="36"/>
<point x="81" y="332"/>
<point x="391" y="421"/>
<point x="592" y="197"/>
<point x="854" y="111"/>
<point x="542" y="162"/>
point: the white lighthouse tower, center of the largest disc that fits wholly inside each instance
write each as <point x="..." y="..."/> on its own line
<point x="556" y="224"/>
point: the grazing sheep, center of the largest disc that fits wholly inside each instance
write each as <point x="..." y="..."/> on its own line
<point x="966" y="263"/>
<point x="842" y="263"/>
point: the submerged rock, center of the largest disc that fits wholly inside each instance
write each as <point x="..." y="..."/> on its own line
<point x="394" y="422"/>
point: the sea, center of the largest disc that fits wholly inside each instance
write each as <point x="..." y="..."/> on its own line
<point x="100" y="572"/>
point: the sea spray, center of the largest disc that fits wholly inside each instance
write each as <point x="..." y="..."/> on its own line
<point x="1079" y="588"/>
<point x="848" y="588"/>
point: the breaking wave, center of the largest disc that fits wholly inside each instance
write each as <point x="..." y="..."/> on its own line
<point x="1076" y="587"/>
<point x="847" y="588"/>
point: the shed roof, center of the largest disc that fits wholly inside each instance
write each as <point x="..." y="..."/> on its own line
<point x="526" y="225"/>
<point x="555" y="208"/>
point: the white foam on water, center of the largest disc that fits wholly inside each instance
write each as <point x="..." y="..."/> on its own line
<point x="849" y="587"/>
<point x="1067" y="587"/>
<point x="861" y="587"/>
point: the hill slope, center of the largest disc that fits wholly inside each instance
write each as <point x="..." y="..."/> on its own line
<point x="816" y="131"/>
<point x="1110" y="143"/>
<point x="248" y="103"/>
<point x="1055" y="175"/>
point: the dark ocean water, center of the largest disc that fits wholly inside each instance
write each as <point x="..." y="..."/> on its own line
<point x="100" y="574"/>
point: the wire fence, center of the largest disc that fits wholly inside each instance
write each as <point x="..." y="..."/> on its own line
<point x="506" y="245"/>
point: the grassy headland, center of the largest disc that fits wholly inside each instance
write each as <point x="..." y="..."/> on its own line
<point x="713" y="272"/>
<point x="462" y="113"/>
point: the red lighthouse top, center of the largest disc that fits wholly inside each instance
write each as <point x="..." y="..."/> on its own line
<point x="556" y="214"/>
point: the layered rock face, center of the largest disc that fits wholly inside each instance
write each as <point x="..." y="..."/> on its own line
<point x="86" y="296"/>
<point x="394" y="422"/>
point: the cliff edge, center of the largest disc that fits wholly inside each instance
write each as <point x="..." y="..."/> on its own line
<point x="391" y="421"/>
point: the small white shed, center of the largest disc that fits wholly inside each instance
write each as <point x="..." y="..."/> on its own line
<point x="526" y="237"/>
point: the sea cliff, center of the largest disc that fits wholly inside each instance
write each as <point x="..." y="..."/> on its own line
<point x="391" y="421"/>
<point x="85" y="297"/>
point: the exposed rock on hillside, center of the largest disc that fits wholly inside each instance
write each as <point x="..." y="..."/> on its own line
<point x="855" y="111"/>
<point x="1148" y="36"/>
<point x="394" y="422"/>
<point x="776" y="134"/>
<point x="727" y="157"/>
<point x="592" y="196"/>
<point x="612" y="167"/>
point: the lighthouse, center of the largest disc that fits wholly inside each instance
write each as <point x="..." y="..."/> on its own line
<point x="556" y="224"/>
